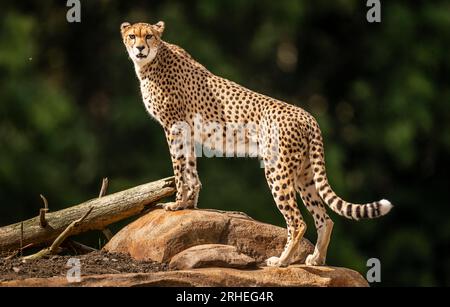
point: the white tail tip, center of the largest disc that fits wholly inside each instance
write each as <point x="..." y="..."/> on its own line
<point x="385" y="206"/>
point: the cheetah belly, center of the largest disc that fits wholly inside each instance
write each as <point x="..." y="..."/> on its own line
<point x="234" y="145"/>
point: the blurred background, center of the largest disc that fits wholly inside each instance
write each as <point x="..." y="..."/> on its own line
<point x="71" y="112"/>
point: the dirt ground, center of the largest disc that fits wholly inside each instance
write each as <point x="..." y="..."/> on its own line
<point x="98" y="262"/>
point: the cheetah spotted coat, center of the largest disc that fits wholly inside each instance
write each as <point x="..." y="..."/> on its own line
<point x="177" y="89"/>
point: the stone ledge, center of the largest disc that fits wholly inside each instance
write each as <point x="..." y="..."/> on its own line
<point x="292" y="276"/>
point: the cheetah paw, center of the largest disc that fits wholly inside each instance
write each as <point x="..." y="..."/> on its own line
<point x="174" y="206"/>
<point x="314" y="260"/>
<point x="275" y="262"/>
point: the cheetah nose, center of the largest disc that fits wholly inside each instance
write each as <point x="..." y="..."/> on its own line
<point x="140" y="48"/>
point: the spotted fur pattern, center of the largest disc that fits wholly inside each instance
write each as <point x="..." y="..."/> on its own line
<point x="175" y="88"/>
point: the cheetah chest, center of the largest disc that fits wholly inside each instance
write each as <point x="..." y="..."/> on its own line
<point x="150" y="99"/>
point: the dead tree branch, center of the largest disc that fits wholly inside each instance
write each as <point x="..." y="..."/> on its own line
<point x="54" y="248"/>
<point x="106" y="210"/>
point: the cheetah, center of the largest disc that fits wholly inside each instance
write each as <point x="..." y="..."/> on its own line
<point x="176" y="89"/>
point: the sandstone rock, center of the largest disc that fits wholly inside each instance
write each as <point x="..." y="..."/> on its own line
<point x="160" y="235"/>
<point x="211" y="255"/>
<point x="295" y="275"/>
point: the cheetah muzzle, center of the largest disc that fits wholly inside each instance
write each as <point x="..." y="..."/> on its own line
<point x="177" y="90"/>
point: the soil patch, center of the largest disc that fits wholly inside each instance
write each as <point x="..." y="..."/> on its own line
<point x="99" y="262"/>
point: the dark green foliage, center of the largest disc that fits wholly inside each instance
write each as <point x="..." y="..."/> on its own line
<point x="71" y="112"/>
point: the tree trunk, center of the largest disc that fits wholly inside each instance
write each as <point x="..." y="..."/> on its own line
<point x="105" y="211"/>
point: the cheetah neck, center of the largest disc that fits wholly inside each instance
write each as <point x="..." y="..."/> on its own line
<point x="163" y="84"/>
<point x="162" y="65"/>
<point x="143" y="71"/>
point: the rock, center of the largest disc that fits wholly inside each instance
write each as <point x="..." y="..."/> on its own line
<point x="211" y="255"/>
<point x="294" y="276"/>
<point x="160" y="235"/>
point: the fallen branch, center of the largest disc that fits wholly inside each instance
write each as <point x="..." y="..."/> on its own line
<point x="54" y="248"/>
<point x="106" y="210"/>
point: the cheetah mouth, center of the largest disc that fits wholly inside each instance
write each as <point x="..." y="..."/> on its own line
<point x="141" y="56"/>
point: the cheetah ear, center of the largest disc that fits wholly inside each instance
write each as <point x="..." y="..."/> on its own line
<point x="124" y="26"/>
<point x="159" y="27"/>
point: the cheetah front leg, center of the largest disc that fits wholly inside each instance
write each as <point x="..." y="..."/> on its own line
<point x="185" y="171"/>
<point x="192" y="180"/>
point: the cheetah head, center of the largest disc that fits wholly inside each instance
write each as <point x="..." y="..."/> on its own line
<point x="142" y="40"/>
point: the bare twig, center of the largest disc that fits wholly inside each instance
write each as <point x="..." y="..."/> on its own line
<point x="45" y="201"/>
<point x="67" y="232"/>
<point x="14" y="254"/>
<point x="106" y="232"/>
<point x="42" y="212"/>
<point x="59" y="240"/>
<point x="79" y="247"/>
<point x="19" y="251"/>
<point x="104" y="187"/>
<point x="21" y="239"/>
<point x="42" y="220"/>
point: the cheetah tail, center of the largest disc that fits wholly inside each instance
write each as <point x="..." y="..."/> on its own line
<point x="337" y="204"/>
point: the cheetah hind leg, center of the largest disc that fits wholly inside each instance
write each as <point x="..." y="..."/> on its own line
<point x="292" y="244"/>
<point x="281" y="185"/>
<point x="322" y="221"/>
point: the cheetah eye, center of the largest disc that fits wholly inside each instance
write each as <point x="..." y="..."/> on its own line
<point x="148" y="36"/>
<point x="132" y="36"/>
